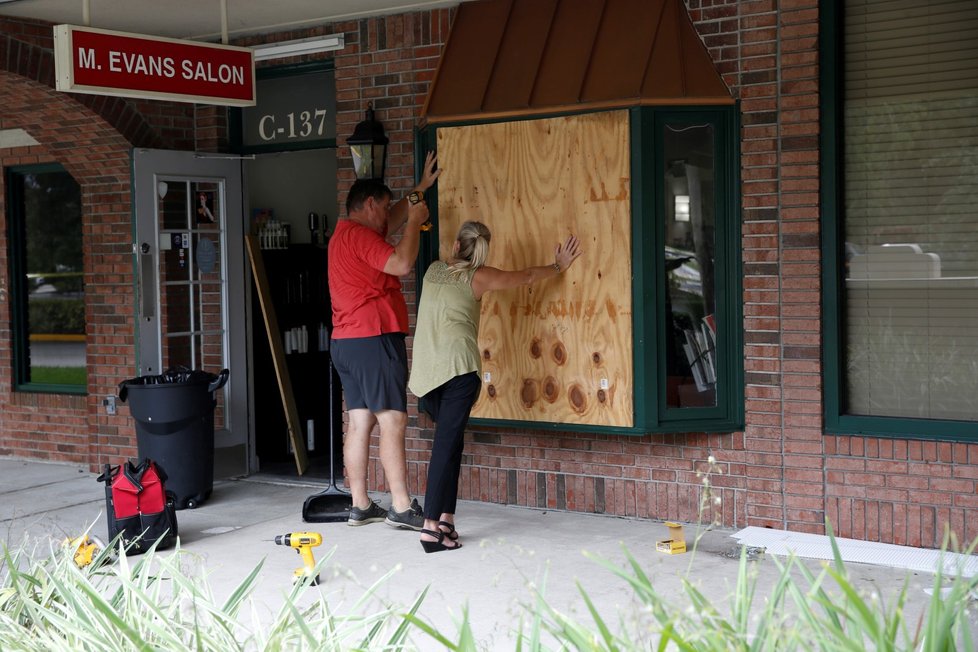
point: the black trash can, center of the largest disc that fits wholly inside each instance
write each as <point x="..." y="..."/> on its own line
<point x="174" y="415"/>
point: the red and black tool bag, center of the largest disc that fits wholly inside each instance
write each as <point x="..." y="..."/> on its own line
<point x="138" y="507"/>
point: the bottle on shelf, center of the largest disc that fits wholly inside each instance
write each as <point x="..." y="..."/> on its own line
<point x="323" y="344"/>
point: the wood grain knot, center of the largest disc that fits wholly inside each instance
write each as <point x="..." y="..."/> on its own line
<point x="577" y="398"/>
<point x="491" y="391"/>
<point x="551" y="390"/>
<point x="486" y="355"/>
<point x="530" y="392"/>
<point x="535" y="349"/>
<point x="559" y="353"/>
<point x="602" y="396"/>
<point x="596" y="357"/>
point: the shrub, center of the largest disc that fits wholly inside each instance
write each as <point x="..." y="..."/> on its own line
<point x="56" y="315"/>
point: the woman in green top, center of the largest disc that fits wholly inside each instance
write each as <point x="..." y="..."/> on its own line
<point x="446" y="363"/>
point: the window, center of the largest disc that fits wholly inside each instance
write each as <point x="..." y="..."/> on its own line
<point x="675" y="232"/>
<point x="690" y="243"/>
<point x="902" y="229"/>
<point x="47" y="284"/>
<point x="690" y="251"/>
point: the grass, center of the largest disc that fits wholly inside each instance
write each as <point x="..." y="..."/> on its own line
<point x="160" y="602"/>
<point x="803" y="611"/>
<point x="59" y="375"/>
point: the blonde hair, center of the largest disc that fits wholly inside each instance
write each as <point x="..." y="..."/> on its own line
<point x="473" y="247"/>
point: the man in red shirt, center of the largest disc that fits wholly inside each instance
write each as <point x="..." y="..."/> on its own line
<point x="370" y="322"/>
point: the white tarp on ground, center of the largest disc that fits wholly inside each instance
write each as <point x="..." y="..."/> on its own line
<point x="817" y="546"/>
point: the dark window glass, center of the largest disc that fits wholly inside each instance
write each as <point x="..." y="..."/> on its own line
<point x="44" y="210"/>
<point x="691" y="351"/>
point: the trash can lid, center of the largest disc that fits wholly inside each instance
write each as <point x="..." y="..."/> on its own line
<point x="176" y="376"/>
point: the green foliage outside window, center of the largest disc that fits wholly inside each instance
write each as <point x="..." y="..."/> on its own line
<point x="47" y="283"/>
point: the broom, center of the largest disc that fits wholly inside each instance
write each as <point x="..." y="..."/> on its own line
<point x="333" y="504"/>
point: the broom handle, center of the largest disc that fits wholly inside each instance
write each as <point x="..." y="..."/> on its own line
<point x="332" y="424"/>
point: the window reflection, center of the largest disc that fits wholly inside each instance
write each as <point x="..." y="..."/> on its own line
<point x="691" y="329"/>
<point x="910" y="226"/>
<point x="48" y="250"/>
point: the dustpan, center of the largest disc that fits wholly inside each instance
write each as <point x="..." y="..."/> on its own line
<point x="333" y="504"/>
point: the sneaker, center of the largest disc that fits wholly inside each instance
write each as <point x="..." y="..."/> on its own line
<point x="371" y="514"/>
<point x="411" y="518"/>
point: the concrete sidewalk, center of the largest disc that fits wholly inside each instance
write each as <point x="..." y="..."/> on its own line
<point x="507" y="549"/>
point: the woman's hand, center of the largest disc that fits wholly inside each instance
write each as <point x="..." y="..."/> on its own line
<point x="567" y="253"/>
<point x="430" y="174"/>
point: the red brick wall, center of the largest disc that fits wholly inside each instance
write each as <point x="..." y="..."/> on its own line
<point x="767" y="52"/>
<point x="390" y="62"/>
<point x="800" y="312"/>
<point x="63" y="427"/>
<point x="26" y="48"/>
<point x="91" y="136"/>
<point x="781" y="471"/>
<point x="893" y="491"/>
<point x="901" y="491"/>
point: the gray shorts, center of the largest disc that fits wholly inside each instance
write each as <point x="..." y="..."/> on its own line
<point x="373" y="371"/>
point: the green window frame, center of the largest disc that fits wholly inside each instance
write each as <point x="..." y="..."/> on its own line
<point x="649" y="326"/>
<point x="47" y="305"/>
<point x="834" y="320"/>
<point x="649" y="255"/>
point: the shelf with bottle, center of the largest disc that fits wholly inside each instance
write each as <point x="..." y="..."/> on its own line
<point x="299" y="296"/>
<point x="298" y="284"/>
<point x="297" y="339"/>
<point x="274" y="235"/>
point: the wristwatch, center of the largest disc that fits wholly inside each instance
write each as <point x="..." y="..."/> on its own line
<point x="415" y="198"/>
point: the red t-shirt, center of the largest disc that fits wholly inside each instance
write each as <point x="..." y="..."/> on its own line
<point x="366" y="301"/>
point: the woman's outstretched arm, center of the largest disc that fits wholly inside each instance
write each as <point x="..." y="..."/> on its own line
<point x="491" y="278"/>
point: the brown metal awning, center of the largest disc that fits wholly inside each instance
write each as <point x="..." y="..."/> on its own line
<point x="511" y="58"/>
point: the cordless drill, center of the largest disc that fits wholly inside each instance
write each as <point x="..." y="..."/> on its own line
<point x="303" y="542"/>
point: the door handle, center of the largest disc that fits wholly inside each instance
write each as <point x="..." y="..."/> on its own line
<point x="147" y="282"/>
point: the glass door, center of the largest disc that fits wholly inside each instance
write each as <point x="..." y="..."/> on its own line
<point x="190" y="267"/>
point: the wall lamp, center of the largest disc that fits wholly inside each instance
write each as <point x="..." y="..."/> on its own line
<point x="368" y="146"/>
<point x="298" y="47"/>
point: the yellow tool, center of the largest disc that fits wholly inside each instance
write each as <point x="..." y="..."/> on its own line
<point x="303" y="542"/>
<point x="84" y="549"/>
<point x="676" y="544"/>
<point x="417" y="197"/>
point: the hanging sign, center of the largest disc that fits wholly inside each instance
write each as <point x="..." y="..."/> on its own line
<point x="292" y="111"/>
<point x="103" y="62"/>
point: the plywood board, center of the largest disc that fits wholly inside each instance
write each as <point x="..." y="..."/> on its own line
<point x="561" y="350"/>
<point x="278" y="354"/>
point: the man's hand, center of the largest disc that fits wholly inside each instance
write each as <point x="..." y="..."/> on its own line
<point x="430" y="174"/>
<point x="417" y="214"/>
<point x="406" y="211"/>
